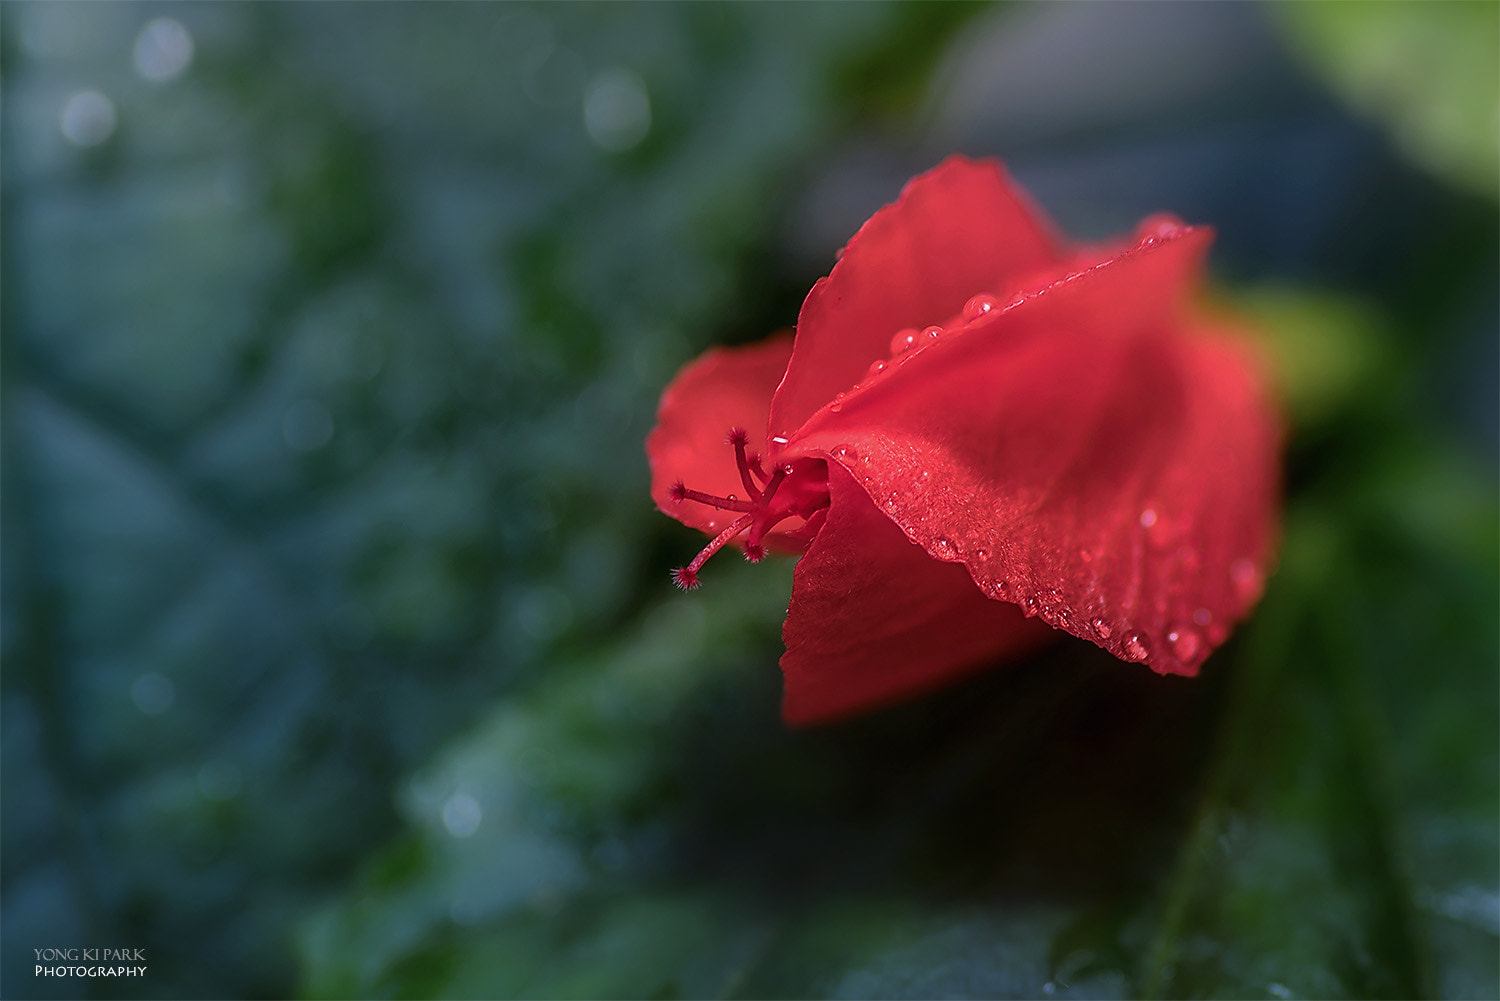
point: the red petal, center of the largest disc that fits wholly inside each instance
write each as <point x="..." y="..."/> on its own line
<point x="873" y="618"/>
<point x="723" y="389"/>
<point x="1084" y="451"/>
<point x="958" y="230"/>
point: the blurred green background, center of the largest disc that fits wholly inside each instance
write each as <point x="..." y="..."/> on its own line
<point x="340" y="655"/>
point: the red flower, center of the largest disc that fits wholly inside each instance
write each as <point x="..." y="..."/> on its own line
<point x="977" y="424"/>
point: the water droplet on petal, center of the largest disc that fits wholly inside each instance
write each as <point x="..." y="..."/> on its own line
<point x="1184" y="642"/>
<point x="1028" y="605"/>
<point x="944" y="546"/>
<point x="981" y="554"/>
<point x="930" y="334"/>
<point x="1246" y="579"/>
<point x="1148" y="517"/>
<point x="778" y="439"/>
<point x="834" y="408"/>
<point x="1203" y="617"/>
<point x="1101" y="628"/>
<point x="733" y="497"/>
<point x="979" y="306"/>
<point x="904" y="340"/>
<point x="1155" y="228"/>
<point x="1137" y="647"/>
<point x="876" y="368"/>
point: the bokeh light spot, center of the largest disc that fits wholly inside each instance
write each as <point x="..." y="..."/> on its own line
<point x="153" y="693"/>
<point x="88" y="119"/>
<point x="617" y="110"/>
<point x="163" y="49"/>
<point x="461" y="815"/>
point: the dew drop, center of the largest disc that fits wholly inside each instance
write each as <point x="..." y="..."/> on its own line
<point x="834" y="408"/>
<point x="1137" y="647"/>
<point x="1160" y="226"/>
<point x="1246" y="579"/>
<point x="979" y="306"/>
<point x="904" y="340"/>
<point x="1184" y="642"/>
<point x="876" y="368"/>
<point x="1028" y="605"/>
<point x="787" y="469"/>
<point x="733" y="497"/>
<point x="981" y="554"/>
<point x="944" y="546"/>
<point x="1002" y="587"/>
<point x="1101" y="628"/>
<point x="1148" y="517"/>
<point x="778" y="439"/>
<point x="930" y="334"/>
<point x="1202" y="617"/>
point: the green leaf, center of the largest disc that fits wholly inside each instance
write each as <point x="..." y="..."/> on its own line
<point x="1425" y="68"/>
<point x="1312" y="818"/>
<point x="1328" y="353"/>
<point x="325" y="377"/>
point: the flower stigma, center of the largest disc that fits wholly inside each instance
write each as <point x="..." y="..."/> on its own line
<point x="796" y="488"/>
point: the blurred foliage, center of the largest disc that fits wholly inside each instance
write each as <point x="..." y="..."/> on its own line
<point x="1429" y="68"/>
<point x="340" y="655"/>
<point x="1314" y="818"/>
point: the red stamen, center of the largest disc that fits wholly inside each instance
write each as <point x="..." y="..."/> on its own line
<point x="773" y="483"/>
<point x="687" y="577"/>
<point x="755" y="467"/>
<point x="680" y="493"/>
<point x="738" y="437"/>
<point x="801" y="489"/>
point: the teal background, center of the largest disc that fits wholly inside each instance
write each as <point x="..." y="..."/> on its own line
<point x="340" y="657"/>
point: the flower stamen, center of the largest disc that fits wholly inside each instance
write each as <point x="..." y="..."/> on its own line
<point x="738" y="438"/>
<point x="681" y="493"/>
<point x="687" y="577"/>
<point x="800" y="486"/>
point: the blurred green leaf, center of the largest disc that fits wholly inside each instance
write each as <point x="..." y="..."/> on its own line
<point x="1427" y="68"/>
<point x="1313" y="818"/>
<point x="1328" y="353"/>
<point x="326" y="368"/>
